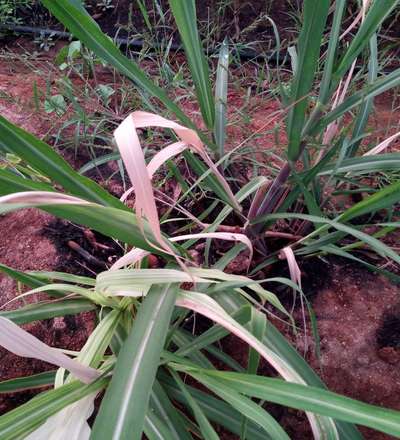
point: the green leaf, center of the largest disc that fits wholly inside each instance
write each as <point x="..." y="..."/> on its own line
<point x="10" y="183"/>
<point x="216" y="410"/>
<point x="315" y="15"/>
<point x="182" y="339"/>
<point x="99" y="161"/>
<point x="93" y="351"/>
<point x="26" y="279"/>
<point x="363" y="165"/>
<point x="205" y="426"/>
<point x="50" y="277"/>
<point x="161" y="405"/>
<point x="43" y="158"/>
<point x="384" y="198"/>
<point x="309" y="398"/>
<point x="334" y="35"/>
<point x="383" y="84"/>
<point x="257" y="323"/>
<point x="205" y="173"/>
<point x="123" y="410"/>
<point x="105" y="92"/>
<point x="155" y="428"/>
<point x="55" y="104"/>
<point x="16" y="424"/>
<point x="145" y="15"/>
<point x="28" y="382"/>
<point x="257" y="326"/>
<point x="214" y="334"/>
<point x="208" y="307"/>
<point x="48" y="310"/>
<point x="376" y="14"/>
<point x="331" y="249"/>
<point x="247" y="407"/>
<point x="366" y="108"/>
<point x="377" y="245"/>
<point x="184" y="12"/>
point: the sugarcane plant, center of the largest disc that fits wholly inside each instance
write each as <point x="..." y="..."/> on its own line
<point x="141" y="352"/>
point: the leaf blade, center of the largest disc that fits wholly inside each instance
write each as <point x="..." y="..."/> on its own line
<point x="135" y="370"/>
<point x="315" y="15"/>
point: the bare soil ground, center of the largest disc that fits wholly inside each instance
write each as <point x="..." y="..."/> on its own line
<point x="23" y="246"/>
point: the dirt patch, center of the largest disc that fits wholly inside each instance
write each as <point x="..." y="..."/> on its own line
<point x="354" y="315"/>
<point x="16" y="101"/>
<point x="23" y="247"/>
<point x="388" y="335"/>
<point x="84" y="251"/>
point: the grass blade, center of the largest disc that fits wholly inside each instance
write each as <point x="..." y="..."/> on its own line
<point x="132" y="154"/>
<point x="366" y="108"/>
<point x="364" y="164"/>
<point x="377" y="245"/>
<point x="155" y="428"/>
<point x="331" y="54"/>
<point x="376" y="14"/>
<point x="116" y="223"/>
<point x="245" y="406"/>
<point x="10" y="182"/>
<point x="309" y="399"/>
<point x="208" y="307"/>
<point x="315" y="15"/>
<point x="123" y="410"/>
<point x="205" y="426"/>
<point x="161" y="405"/>
<point x="276" y="342"/>
<point x="221" y="96"/>
<point x="68" y="424"/>
<point x="368" y="92"/>
<point x="27" y="279"/>
<point x="28" y="382"/>
<point x="184" y="12"/>
<point x="47" y="310"/>
<point x="384" y="198"/>
<point x="191" y="139"/>
<point x="216" y="410"/>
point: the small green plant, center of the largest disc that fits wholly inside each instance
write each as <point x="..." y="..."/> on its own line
<point x="9" y="10"/>
<point x="140" y="351"/>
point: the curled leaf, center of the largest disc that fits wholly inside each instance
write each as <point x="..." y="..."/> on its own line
<point x="22" y="343"/>
<point x="188" y="136"/>
<point x="294" y="270"/>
